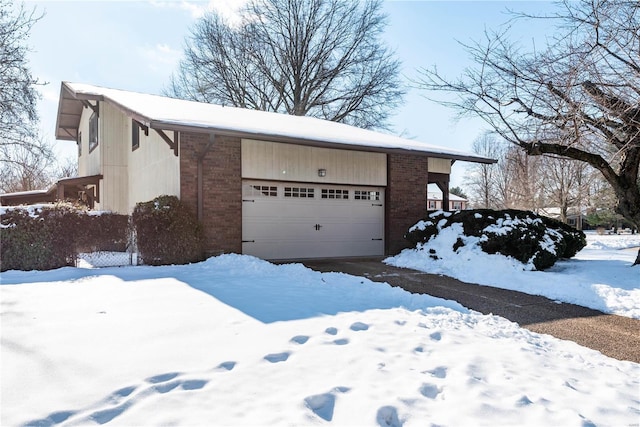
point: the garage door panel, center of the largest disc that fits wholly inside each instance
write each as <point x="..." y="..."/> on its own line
<point x="279" y="226"/>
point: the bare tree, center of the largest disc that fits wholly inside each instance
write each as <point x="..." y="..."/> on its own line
<point x="18" y="97"/>
<point x="322" y="58"/>
<point x="28" y="169"/>
<point x="482" y="179"/>
<point x="566" y="185"/>
<point x="578" y="98"/>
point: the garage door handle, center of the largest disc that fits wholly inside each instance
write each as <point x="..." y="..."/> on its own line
<point x="317" y="227"/>
<point x="376" y="239"/>
<point x="376" y="204"/>
<point x="247" y="200"/>
<point x="248" y="241"/>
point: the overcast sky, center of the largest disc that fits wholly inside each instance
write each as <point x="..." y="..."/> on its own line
<point x="136" y="45"/>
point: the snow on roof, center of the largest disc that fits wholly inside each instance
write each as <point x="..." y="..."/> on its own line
<point x="438" y="196"/>
<point x="25" y="193"/>
<point x="164" y="112"/>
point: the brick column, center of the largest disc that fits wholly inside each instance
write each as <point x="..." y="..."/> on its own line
<point x="406" y="197"/>
<point x="222" y="188"/>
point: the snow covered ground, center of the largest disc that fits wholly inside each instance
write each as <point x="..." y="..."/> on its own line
<point x="239" y="341"/>
<point x="600" y="276"/>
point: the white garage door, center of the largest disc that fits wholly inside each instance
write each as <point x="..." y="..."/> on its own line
<point x="289" y="220"/>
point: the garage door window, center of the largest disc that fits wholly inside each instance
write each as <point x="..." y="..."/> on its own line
<point x="366" y="195"/>
<point x="334" y="193"/>
<point x="260" y="190"/>
<point x="303" y="193"/>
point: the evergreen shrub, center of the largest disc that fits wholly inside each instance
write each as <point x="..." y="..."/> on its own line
<point x="523" y="235"/>
<point x="167" y="232"/>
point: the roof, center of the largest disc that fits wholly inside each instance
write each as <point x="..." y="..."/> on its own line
<point x="50" y="195"/>
<point x="438" y="196"/>
<point x="159" y="112"/>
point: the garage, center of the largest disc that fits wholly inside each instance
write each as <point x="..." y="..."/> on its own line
<point x="290" y="220"/>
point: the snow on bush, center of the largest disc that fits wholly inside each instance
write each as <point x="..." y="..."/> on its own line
<point x="48" y="236"/>
<point x="535" y="241"/>
<point x="167" y="232"/>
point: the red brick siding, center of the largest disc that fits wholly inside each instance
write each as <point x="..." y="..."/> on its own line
<point x="222" y="188"/>
<point x="406" y="195"/>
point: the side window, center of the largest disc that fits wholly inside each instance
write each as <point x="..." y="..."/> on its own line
<point x="432" y="205"/>
<point x="93" y="132"/>
<point x="135" y="135"/>
<point x="79" y="142"/>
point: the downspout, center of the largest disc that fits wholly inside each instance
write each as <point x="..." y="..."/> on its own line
<point x="200" y="162"/>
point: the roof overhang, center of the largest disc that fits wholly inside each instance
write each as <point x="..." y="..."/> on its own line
<point x="72" y="102"/>
<point x="157" y="124"/>
<point x="70" y="107"/>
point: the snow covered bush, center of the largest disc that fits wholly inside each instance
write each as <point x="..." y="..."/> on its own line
<point x="48" y="236"/>
<point x="38" y="237"/>
<point x="167" y="232"/>
<point x="534" y="240"/>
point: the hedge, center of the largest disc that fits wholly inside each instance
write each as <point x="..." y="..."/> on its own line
<point x="44" y="237"/>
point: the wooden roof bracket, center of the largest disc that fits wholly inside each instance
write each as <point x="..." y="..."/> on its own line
<point x="145" y="128"/>
<point x="95" y="108"/>
<point x="173" y="144"/>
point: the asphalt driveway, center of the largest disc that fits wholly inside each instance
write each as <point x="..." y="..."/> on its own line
<point x="614" y="336"/>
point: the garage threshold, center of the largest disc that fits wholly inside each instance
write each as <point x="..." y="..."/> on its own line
<point x="614" y="336"/>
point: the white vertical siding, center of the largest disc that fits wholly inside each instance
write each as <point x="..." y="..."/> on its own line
<point x="290" y="162"/>
<point x="129" y="176"/>
<point x="154" y="170"/>
<point x="88" y="163"/>
<point x="112" y="139"/>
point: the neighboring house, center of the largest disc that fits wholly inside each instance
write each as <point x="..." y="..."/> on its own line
<point x="265" y="184"/>
<point x="456" y="203"/>
<point x="576" y="217"/>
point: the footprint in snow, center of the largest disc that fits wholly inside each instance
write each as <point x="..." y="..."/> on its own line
<point x="439" y="372"/>
<point x="388" y="417"/>
<point x="162" y="377"/>
<point x="430" y="390"/>
<point x="166" y="387"/>
<point x="331" y="331"/>
<point x="436" y="336"/>
<point x="359" y="326"/>
<point x="300" y="339"/>
<point x="323" y="404"/>
<point x="123" y="392"/>
<point x="341" y="341"/>
<point x="53" y="419"/>
<point x="524" y="401"/>
<point x="277" y="357"/>
<point x="227" y="366"/>
<point x="193" y="384"/>
<point x="105" y="415"/>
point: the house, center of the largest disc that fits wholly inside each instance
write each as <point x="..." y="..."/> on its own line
<point x="265" y="184"/>
<point x="575" y="216"/>
<point x="434" y="201"/>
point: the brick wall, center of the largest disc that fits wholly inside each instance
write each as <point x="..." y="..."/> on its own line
<point x="222" y="188"/>
<point x="406" y="196"/>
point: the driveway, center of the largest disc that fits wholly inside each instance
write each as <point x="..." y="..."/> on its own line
<point x="614" y="336"/>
